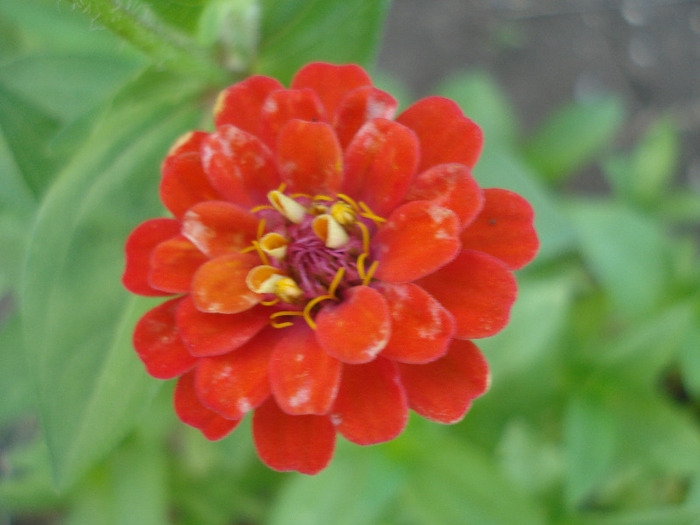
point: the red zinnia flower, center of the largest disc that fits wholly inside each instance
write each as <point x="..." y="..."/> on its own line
<point x="330" y="265"/>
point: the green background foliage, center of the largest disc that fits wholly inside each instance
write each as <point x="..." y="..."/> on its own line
<point x="593" y="414"/>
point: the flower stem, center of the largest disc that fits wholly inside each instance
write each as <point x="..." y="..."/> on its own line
<point x="168" y="49"/>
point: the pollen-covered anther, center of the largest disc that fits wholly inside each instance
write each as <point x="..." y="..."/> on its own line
<point x="264" y="278"/>
<point x="343" y="213"/>
<point x="330" y="231"/>
<point x="274" y="245"/>
<point x="287" y="206"/>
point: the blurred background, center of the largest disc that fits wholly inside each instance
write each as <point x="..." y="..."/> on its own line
<point x="590" y="109"/>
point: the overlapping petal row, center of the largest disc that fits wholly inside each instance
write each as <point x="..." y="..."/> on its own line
<point x="329" y="263"/>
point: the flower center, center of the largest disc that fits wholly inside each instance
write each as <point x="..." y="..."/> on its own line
<point x="312" y="248"/>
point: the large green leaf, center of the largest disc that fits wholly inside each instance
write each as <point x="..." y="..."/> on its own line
<point x="572" y="136"/>
<point x="294" y="32"/>
<point x="353" y="490"/>
<point x="453" y="482"/>
<point x="625" y="251"/>
<point x="77" y="317"/>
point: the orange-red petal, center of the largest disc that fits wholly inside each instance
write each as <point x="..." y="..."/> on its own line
<point x="418" y="238"/>
<point x="301" y="443"/>
<point x="207" y="334"/>
<point x="174" y="263"/>
<point x="304" y="378"/>
<point x="184" y="182"/>
<point x="235" y="383"/>
<point x="330" y="82"/>
<point x="192" y="412"/>
<point x="359" y="106"/>
<point x="219" y="227"/>
<point x="371" y="405"/>
<point x="477" y="289"/>
<point x="309" y="157"/>
<point x="504" y="229"/>
<point x="139" y="246"/>
<point x="285" y="105"/>
<point x="450" y="186"/>
<point x="445" y="134"/>
<point x="158" y="344"/>
<point x="421" y="327"/>
<point x="240" y="105"/>
<point x="239" y="166"/>
<point x="219" y="285"/>
<point x="443" y="390"/>
<point x="380" y="164"/>
<point x="357" y="328"/>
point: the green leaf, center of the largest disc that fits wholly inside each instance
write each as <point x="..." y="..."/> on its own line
<point x="483" y="101"/>
<point x="353" y="490"/>
<point x="689" y="356"/>
<point x="15" y="381"/>
<point x="671" y="515"/>
<point x="625" y="251"/>
<point x="454" y="482"/>
<point x="572" y="136"/>
<point x="590" y="441"/>
<point x="28" y="131"/>
<point x="295" y="32"/>
<point x="644" y="175"/>
<point x="183" y="14"/>
<point x="66" y="85"/>
<point x="77" y="317"/>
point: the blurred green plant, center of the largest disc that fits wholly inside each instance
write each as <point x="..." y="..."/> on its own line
<point x="593" y="415"/>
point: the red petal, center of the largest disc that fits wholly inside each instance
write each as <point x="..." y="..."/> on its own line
<point x="418" y="238"/>
<point x="158" y="344"/>
<point x="184" y="182"/>
<point x="285" y="105"/>
<point x="450" y="186"/>
<point x="215" y="334"/>
<point x="380" y="163"/>
<point x="235" y="383"/>
<point x="309" y="157"/>
<point x="504" y="229"/>
<point x="359" y="106"/>
<point x="301" y="443"/>
<point x="330" y="82"/>
<point x="443" y="390"/>
<point x="477" y="289"/>
<point x="191" y="411"/>
<point x="139" y="246"/>
<point x="421" y="328"/>
<point x="356" y="329"/>
<point x="239" y="166"/>
<point x="241" y="104"/>
<point x="445" y="134"/>
<point x="174" y="263"/>
<point x="371" y="404"/>
<point x="219" y="285"/>
<point x="304" y="378"/>
<point x="218" y="227"/>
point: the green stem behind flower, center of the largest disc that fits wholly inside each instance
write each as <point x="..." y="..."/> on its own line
<point x="167" y="48"/>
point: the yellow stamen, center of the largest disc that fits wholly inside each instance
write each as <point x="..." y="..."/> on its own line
<point x="271" y="302"/>
<point x="368" y="276"/>
<point x="281" y="313"/>
<point x="322" y="198"/>
<point x="365" y="237"/>
<point x="297" y="195"/>
<point x="261" y="229"/>
<point x="331" y="295"/>
<point x="343" y="213"/>
<point x="262" y="207"/>
<point x="361" y="265"/>
<point x="349" y="200"/>
<point x="261" y="253"/>
<point x="369" y="214"/>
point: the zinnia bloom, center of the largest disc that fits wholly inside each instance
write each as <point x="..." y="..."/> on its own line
<point x="329" y="265"/>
